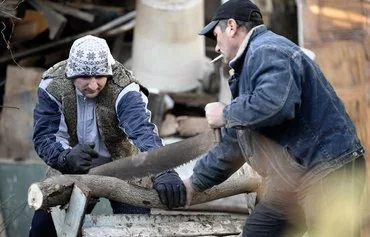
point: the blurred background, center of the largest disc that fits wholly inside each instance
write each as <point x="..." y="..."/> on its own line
<point x="158" y="41"/>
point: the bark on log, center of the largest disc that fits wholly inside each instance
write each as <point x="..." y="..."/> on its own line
<point x="57" y="190"/>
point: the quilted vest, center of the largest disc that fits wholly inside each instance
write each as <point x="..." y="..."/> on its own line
<point x="112" y="136"/>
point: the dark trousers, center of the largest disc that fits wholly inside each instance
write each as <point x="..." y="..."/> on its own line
<point x="42" y="223"/>
<point x="330" y="207"/>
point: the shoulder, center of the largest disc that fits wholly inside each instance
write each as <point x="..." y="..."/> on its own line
<point x="56" y="71"/>
<point x="272" y="46"/>
<point x="123" y="77"/>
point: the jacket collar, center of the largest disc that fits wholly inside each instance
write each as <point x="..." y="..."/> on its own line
<point x="237" y="61"/>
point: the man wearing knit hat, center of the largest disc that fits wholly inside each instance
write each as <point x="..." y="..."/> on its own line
<point x="287" y="122"/>
<point x="91" y="111"/>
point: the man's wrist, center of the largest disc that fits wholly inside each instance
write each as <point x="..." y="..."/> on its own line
<point x="62" y="161"/>
<point x="196" y="184"/>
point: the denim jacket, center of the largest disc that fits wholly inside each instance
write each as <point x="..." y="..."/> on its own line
<point x="279" y="92"/>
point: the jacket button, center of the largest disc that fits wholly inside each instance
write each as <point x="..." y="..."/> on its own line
<point x="355" y="153"/>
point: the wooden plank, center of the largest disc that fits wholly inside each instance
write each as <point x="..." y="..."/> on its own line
<point x="342" y="63"/>
<point x="68" y="222"/>
<point x="2" y="226"/>
<point x="341" y="19"/>
<point x="16" y="125"/>
<point x="163" y="225"/>
<point x="325" y="20"/>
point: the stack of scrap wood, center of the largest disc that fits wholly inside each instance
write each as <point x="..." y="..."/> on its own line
<point x="180" y="114"/>
<point x="39" y="28"/>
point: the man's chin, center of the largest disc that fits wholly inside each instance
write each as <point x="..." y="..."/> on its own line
<point x="91" y="95"/>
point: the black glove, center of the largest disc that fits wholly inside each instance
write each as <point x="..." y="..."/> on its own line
<point x="101" y="160"/>
<point x="170" y="188"/>
<point x="77" y="160"/>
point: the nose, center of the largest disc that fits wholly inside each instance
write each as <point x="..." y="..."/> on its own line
<point x="217" y="49"/>
<point x="93" y="84"/>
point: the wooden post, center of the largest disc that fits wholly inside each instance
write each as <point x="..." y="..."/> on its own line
<point x="68" y="222"/>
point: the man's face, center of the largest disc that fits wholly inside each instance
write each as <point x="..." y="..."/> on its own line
<point x="226" y="43"/>
<point x="90" y="86"/>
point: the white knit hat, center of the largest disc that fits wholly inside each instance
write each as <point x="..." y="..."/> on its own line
<point x="89" y="56"/>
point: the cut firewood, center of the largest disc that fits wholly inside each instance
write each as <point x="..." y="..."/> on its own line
<point x="169" y="126"/>
<point x="192" y="99"/>
<point x="189" y="126"/>
<point x="57" y="190"/>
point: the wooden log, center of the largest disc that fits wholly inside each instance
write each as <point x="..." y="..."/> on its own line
<point x="72" y="12"/>
<point x="169" y="126"/>
<point x="57" y="190"/>
<point x="189" y="126"/>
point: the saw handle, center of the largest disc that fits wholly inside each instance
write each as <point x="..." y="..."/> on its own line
<point x="217" y="135"/>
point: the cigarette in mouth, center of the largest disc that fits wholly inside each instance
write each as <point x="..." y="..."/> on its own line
<point x="217" y="58"/>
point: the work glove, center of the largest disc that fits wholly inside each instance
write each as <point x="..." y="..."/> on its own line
<point x="101" y="160"/>
<point x="77" y="160"/>
<point x="170" y="189"/>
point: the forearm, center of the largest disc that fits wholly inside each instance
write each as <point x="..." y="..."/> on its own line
<point x="49" y="152"/>
<point x="50" y="135"/>
<point x="134" y="119"/>
<point x="218" y="164"/>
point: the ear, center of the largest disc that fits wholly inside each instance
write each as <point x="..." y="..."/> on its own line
<point x="232" y="27"/>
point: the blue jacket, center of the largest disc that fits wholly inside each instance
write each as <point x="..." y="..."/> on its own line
<point x="281" y="93"/>
<point x="51" y="136"/>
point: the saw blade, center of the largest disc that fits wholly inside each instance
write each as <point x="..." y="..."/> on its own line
<point x="159" y="159"/>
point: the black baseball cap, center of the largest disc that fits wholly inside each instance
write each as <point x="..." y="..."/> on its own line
<point x="237" y="9"/>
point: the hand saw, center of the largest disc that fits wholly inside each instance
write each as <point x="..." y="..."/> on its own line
<point x="160" y="159"/>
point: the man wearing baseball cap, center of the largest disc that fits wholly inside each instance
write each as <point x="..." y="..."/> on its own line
<point x="287" y="122"/>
